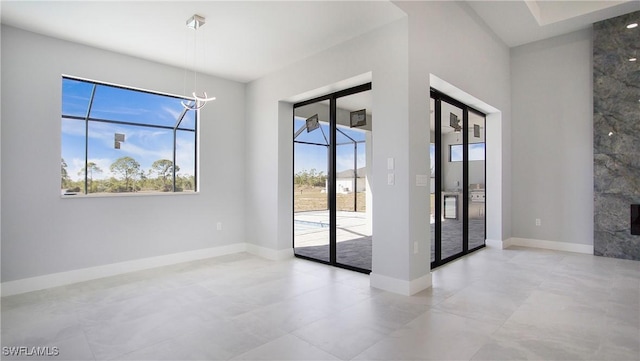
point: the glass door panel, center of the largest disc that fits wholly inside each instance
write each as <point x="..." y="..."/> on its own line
<point x="476" y="201"/>
<point x="353" y="197"/>
<point x="451" y="180"/>
<point x="432" y="163"/>
<point x="311" y="221"/>
<point x="457" y="153"/>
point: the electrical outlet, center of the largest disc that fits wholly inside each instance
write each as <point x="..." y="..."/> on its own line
<point x="538" y="222"/>
<point x="219" y="226"/>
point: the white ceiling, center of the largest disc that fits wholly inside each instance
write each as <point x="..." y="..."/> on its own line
<point x="241" y="40"/>
<point x="521" y="22"/>
<point x="245" y="40"/>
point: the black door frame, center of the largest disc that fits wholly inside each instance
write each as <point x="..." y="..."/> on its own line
<point x="438" y="98"/>
<point x="331" y="177"/>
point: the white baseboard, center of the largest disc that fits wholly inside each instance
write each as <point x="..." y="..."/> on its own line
<point x="270" y="254"/>
<point x="495" y="243"/>
<point x="420" y="284"/>
<point x="402" y="287"/>
<point x="86" y="274"/>
<point x="557" y="246"/>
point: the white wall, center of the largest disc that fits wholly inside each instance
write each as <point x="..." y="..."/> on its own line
<point x="43" y="233"/>
<point x="0" y="159"/>
<point x="383" y="54"/>
<point x="553" y="139"/>
<point x="448" y="40"/>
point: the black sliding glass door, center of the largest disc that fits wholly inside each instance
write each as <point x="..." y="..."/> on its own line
<point x="311" y="219"/>
<point x="330" y="193"/>
<point x="458" y="179"/>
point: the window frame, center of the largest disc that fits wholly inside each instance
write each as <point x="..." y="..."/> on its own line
<point x="88" y="119"/>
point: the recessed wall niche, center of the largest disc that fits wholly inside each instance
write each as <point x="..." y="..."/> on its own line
<point x="616" y="135"/>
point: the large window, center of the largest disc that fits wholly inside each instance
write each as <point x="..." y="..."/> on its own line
<point x="117" y="140"/>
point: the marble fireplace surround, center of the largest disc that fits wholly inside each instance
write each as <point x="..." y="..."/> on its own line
<point x="616" y="135"/>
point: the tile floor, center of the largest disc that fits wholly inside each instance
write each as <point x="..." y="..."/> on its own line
<point x="515" y="304"/>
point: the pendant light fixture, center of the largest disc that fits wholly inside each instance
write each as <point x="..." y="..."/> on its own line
<point x="194" y="23"/>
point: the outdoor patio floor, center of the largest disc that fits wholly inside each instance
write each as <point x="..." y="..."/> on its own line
<point x="354" y="239"/>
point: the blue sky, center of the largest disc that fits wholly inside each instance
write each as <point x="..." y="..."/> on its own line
<point x="144" y="144"/>
<point x="307" y="157"/>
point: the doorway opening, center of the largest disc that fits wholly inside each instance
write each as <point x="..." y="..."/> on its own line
<point x="331" y="193"/>
<point x="458" y="179"/>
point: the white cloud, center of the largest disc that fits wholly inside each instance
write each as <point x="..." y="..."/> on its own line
<point x="73" y="127"/>
<point x="344" y="158"/>
<point x="173" y="113"/>
<point x="145" y="155"/>
<point x="76" y="165"/>
<point x="185" y="156"/>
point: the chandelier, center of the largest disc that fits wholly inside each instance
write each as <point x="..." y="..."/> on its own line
<point x="194" y="23"/>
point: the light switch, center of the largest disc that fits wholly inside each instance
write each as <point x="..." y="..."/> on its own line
<point x="391" y="179"/>
<point x="390" y="163"/>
